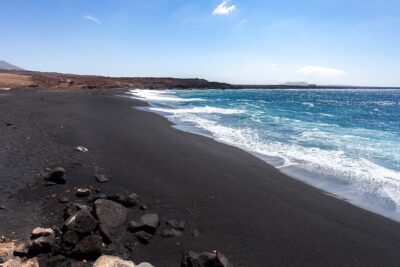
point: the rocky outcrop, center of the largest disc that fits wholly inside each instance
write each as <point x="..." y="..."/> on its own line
<point x="96" y="225"/>
<point x="111" y="216"/>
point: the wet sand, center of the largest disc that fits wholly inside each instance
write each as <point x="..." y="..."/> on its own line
<point x="242" y="207"/>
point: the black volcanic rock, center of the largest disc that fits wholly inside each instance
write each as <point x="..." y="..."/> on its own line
<point x="82" y="222"/>
<point x="102" y="178"/>
<point x="170" y="232"/>
<point x="176" y="224"/>
<point x="70" y="238"/>
<point x="148" y="223"/>
<point x="143" y="237"/>
<point x="57" y="175"/>
<point x="90" y="246"/>
<point x="205" y="259"/>
<point x="111" y="216"/>
<point x="131" y="200"/>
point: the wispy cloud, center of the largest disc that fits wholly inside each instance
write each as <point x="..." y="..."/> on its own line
<point x="224" y="8"/>
<point x="320" y="71"/>
<point x="93" y="19"/>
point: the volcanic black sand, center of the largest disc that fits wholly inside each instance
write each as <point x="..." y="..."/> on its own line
<point x="242" y="207"/>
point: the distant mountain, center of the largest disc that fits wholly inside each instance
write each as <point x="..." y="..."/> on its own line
<point x="7" y="66"/>
<point x="296" y="84"/>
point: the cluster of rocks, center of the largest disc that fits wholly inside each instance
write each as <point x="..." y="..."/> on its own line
<point x="94" y="233"/>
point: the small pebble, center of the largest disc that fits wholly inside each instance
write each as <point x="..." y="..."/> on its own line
<point x="101" y="178"/>
<point x="195" y="233"/>
<point x="81" y="149"/>
<point x="63" y="200"/>
<point x="83" y="192"/>
<point x="169" y="232"/>
<point x="51" y="196"/>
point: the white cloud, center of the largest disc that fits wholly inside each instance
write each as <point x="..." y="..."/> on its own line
<point x="91" y="18"/>
<point x="320" y="71"/>
<point x="224" y="8"/>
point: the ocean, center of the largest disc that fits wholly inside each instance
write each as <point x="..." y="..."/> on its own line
<point x="345" y="142"/>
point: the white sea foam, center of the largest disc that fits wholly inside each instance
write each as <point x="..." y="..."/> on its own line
<point x="327" y="115"/>
<point x="308" y="104"/>
<point x="159" y="96"/>
<point x="384" y="103"/>
<point x="198" y="110"/>
<point x="358" y="180"/>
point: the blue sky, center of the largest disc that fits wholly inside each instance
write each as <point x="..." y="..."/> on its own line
<point x="238" y="41"/>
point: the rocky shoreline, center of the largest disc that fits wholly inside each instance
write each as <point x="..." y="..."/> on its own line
<point x="96" y="231"/>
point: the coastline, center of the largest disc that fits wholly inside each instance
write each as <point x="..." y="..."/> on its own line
<point x="163" y="103"/>
<point x="244" y="207"/>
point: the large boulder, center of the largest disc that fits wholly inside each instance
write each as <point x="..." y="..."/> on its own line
<point x="82" y="222"/>
<point x="111" y="216"/>
<point x="112" y="261"/>
<point x="90" y="246"/>
<point x="57" y="175"/>
<point x="205" y="259"/>
<point x="148" y="223"/>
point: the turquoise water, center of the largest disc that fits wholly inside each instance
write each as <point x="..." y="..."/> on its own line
<point x="346" y="142"/>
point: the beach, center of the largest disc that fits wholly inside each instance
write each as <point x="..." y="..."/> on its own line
<point x="240" y="205"/>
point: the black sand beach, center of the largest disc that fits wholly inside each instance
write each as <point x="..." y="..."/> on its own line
<point x="242" y="207"/>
